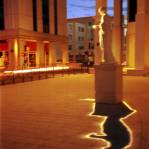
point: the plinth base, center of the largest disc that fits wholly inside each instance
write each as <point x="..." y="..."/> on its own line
<point x="112" y="110"/>
<point x="108" y="83"/>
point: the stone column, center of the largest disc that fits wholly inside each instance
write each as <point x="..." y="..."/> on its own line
<point x="21" y="44"/>
<point x="130" y="44"/>
<point x="97" y="52"/>
<point x="142" y="35"/>
<point x="40" y="53"/>
<point x="52" y="54"/>
<point x="13" y="54"/>
<point x="117" y="31"/>
<point x="64" y="48"/>
<point x="146" y="34"/>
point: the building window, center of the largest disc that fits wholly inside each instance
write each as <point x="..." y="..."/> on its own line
<point x="90" y="24"/>
<point x="70" y="26"/>
<point x="32" y="59"/>
<point x="79" y="29"/>
<point x="80" y="38"/>
<point x="4" y="58"/>
<point x="82" y="29"/>
<point x="70" y="37"/>
<point x="34" y="2"/>
<point x="55" y="17"/>
<point x="70" y="47"/>
<point x="71" y="58"/>
<point x="2" y="26"/>
<point x="90" y="45"/>
<point x="45" y="15"/>
<point x="81" y="47"/>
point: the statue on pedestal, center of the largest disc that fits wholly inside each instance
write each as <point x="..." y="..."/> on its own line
<point x="106" y="54"/>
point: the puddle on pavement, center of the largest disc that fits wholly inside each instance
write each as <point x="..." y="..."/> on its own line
<point x="116" y="133"/>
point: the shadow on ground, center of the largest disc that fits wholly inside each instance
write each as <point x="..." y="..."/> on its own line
<point x="117" y="134"/>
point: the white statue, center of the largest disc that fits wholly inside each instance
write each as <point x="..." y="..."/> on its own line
<point x="106" y="54"/>
<point x="101" y="32"/>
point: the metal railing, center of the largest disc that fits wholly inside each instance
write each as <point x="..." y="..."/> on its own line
<point x="12" y="78"/>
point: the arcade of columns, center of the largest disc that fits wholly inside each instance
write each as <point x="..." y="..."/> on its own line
<point x="16" y="57"/>
<point x="137" y="44"/>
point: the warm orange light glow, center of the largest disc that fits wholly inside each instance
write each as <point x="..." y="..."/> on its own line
<point x="128" y="128"/>
<point x="125" y="69"/>
<point x="108" y="144"/>
<point x="88" y="136"/>
<point x="38" y="69"/>
<point x="101" y="126"/>
<point x="94" y="26"/>
<point x="45" y="41"/>
<point x="93" y="109"/>
<point x="127" y="105"/>
<point x="16" y="49"/>
<point x="88" y="99"/>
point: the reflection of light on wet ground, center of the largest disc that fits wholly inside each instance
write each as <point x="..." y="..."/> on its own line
<point x="89" y="99"/>
<point x="113" y="128"/>
<point x="101" y="133"/>
<point x="128" y="128"/>
<point x="38" y="69"/>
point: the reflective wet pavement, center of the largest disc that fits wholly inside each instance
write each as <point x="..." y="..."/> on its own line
<point x="60" y="113"/>
<point x="116" y="132"/>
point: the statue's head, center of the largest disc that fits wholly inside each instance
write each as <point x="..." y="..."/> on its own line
<point x="102" y="11"/>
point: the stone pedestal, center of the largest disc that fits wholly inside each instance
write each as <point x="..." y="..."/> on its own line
<point x="108" y="83"/>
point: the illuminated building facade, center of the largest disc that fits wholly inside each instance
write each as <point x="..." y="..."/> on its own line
<point x="135" y="29"/>
<point x="80" y="37"/>
<point x="32" y="33"/>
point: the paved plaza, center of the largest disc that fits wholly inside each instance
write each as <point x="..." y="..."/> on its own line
<point x="55" y="113"/>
